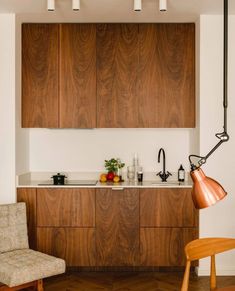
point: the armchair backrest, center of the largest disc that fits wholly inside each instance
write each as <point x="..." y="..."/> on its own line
<point x="13" y="227"/>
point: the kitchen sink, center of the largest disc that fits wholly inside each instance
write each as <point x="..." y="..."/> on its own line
<point x="159" y="183"/>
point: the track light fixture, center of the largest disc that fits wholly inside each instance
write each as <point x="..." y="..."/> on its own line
<point x="162" y="5"/>
<point x="76" y="5"/>
<point x="51" y="5"/>
<point x="137" y="5"/>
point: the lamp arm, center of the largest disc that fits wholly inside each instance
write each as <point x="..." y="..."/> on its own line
<point x="223" y="137"/>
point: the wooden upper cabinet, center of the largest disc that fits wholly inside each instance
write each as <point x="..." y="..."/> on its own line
<point x="40" y="69"/>
<point x="117" y="75"/>
<point x="77" y="75"/>
<point x="167" y="75"/>
<point x="108" y="75"/>
<point x="117" y="227"/>
<point x="167" y="207"/>
<point x="66" y="207"/>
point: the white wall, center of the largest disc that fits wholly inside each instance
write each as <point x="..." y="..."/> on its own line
<point x="218" y="220"/>
<point x="22" y="135"/>
<point x="7" y="105"/>
<point x="85" y="150"/>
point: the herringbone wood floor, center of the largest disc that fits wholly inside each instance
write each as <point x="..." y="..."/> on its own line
<point x="142" y="281"/>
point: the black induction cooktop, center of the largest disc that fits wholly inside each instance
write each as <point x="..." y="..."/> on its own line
<point x="72" y="183"/>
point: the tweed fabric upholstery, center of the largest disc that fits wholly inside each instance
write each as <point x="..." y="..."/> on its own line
<point x="13" y="227"/>
<point x="23" y="266"/>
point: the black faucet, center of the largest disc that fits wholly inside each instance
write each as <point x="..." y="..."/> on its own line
<point x="163" y="174"/>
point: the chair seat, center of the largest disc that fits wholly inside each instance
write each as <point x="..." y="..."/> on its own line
<point x="229" y="288"/>
<point x="23" y="266"/>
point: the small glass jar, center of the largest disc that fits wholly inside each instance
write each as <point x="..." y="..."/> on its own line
<point x="131" y="173"/>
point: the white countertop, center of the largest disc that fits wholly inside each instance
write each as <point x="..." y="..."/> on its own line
<point x="32" y="180"/>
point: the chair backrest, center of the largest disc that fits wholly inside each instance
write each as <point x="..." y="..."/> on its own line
<point x="202" y="248"/>
<point x="13" y="227"/>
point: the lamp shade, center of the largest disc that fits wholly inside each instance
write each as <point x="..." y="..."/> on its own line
<point x="206" y="191"/>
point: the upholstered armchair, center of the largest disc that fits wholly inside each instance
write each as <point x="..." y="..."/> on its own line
<point x="21" y="267"/>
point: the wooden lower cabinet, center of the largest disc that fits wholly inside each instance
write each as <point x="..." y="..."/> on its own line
<point x="108" y="227"/>
<point x="167" y="207"/>
<point x="75" y="245"/>
<point x="164" y="246"/>
<point x="73" y="207"/>
<point x="117" y="227"/>
<point x="28" y="195"/>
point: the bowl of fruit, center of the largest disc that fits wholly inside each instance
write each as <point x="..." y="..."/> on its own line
<point x="114" y="171"/>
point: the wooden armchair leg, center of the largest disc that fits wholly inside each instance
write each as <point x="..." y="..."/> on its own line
<point x="40" y="285"/>
<point x="37" y="286"/>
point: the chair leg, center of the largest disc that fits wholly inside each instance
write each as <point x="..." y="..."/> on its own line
<point x="40" y="285"/>
<point x="186" y="277"/>
<point x="20" y="287"/>
<point x="213" y="274"/>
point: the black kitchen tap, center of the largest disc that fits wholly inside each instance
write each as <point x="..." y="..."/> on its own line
<point x="163" y="174"/>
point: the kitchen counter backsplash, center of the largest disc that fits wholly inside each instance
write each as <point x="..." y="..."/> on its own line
<point x="33" y="179"/>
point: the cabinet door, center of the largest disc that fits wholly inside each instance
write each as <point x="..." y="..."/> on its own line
<point x="77" y="76"/>
<point x="117" y="72"/>
<point x="28" y="195"/>
<point x="168" y="207"/>
<point x="75" y="245"/>
<point x="165" y="246"/>
<point x="167" y="75"/>
<point x="40" y="67"/>
<point x="117" y="227"/>
<point x="65" y="207"/>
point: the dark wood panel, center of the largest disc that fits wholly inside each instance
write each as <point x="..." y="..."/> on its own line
<point x="40" y="67"/>
<point x="117" y="227"/>
<point x="165" y="246"/>
<point x="28" y="195"/>
<point x="117" y="75"/>
<point x="77" y="75"/>
<point x="66" y="207"/>
<point x="167" y="207"/>
<point x="75" y="245"/>
<point x="167" y="75"/>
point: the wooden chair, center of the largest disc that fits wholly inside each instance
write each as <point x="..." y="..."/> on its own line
<point x="202" y="248"/>
<point x="21" y="267"/>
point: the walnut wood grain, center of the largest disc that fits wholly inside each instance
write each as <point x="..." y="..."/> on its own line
<point x="75" y="245"/>
<point x="40" y="52"/>
<point x="167" y="75"/>
<point x="167" y="207"/>
<point x="77" y="75"/>
<point x="28" y="195"/>
<point x="117" y="227"/>
<point x="66" y="207"/>
<point x="165" y="246"/>
<point x="117" y="75"/>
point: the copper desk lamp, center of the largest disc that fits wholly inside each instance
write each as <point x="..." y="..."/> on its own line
<point x="206" y="191"/>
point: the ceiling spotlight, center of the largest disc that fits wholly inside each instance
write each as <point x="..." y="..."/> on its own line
<point x="76" y="5"/>
<point x="137" y="5"/>
<point x="162" y="5"/>
<point x="51" y="5"/>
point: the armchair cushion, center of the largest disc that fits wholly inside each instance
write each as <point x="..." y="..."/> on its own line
<point x="13" y="227"/>
<point x="23" y="266"/>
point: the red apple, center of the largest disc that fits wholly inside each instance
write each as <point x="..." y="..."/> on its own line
<point x="110" y="176"/>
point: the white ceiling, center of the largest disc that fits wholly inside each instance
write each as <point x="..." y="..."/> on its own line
<point x="114" y="10"/>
